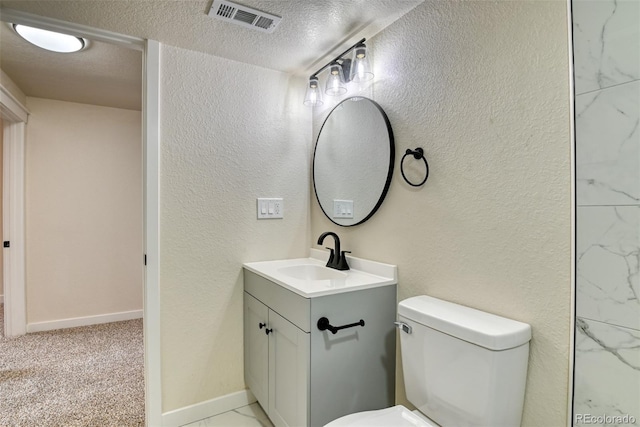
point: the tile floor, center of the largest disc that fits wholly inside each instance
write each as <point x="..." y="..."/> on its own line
<point x="247" y="416"/>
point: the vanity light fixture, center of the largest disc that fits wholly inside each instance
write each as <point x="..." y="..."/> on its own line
<point x="342" y="70"/>
<point x="50" y="40"/>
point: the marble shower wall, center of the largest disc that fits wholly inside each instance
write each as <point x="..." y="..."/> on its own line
<point x="606" y="40"/>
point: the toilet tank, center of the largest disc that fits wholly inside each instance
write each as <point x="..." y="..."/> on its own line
<point x="461" y="366"/>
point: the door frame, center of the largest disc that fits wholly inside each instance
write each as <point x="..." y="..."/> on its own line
<point x="14" y="115"/>
<point x="151" y="190"/>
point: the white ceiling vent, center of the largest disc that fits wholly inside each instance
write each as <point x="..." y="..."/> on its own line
<point x="243" y="15"/>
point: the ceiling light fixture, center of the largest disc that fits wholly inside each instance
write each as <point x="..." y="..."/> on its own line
<point x="342" y="71"/>
<point x="50" y="40"/>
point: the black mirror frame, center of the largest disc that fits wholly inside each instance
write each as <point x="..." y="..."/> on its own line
<point x="392" y="159"/>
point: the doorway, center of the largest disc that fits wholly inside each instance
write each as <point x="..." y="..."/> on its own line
<point x="151" y="53"/>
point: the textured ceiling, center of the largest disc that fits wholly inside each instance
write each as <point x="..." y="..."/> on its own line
<point x="309" y="33"/>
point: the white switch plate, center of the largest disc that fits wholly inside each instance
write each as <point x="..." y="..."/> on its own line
<point x="270" y="208"/>
<point x="343" y="208"/>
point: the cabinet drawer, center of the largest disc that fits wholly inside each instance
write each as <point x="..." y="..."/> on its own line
<point x="291" y="306"/>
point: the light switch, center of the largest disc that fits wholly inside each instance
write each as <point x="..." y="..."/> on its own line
<point x="343" y="208"/>
<point x="270" y="208"/>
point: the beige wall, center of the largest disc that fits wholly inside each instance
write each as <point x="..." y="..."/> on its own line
<point x="9" y="84"/>
<point x="83" y="210"/>
<point x="230" y="133"/>
<point x="483" y="87"/>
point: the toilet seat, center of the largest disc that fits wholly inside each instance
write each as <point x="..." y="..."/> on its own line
<point x="396" y="416"/>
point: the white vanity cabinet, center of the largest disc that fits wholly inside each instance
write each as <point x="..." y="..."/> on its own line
<point x="303" y="376"/>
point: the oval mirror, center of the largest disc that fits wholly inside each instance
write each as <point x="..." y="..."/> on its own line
<point x="353" y="161"/>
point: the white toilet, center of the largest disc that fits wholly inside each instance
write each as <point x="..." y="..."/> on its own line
<point x="462" y="367"/>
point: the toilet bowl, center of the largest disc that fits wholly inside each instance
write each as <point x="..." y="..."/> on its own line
<point x="461" y="367"/>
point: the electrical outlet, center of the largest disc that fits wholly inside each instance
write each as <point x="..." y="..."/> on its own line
<point x="270" y="208"/>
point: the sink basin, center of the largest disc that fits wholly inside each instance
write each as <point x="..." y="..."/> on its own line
<point x="309" y="277"/>
<point x="312" y="272"/>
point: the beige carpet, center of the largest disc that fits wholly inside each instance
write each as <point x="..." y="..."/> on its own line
<point x="87" y="376"/>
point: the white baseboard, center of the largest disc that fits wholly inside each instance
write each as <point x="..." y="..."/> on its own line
<point x="84" y="321"/>
<point x="206" y="409"/>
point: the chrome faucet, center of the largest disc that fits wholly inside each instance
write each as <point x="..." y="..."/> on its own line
<point x="337" y="259"/>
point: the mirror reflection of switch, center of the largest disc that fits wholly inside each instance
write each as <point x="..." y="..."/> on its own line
<point x="343" y="208"/>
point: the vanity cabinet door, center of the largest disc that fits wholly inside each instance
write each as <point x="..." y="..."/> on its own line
<point x="288" y="373"/>
<point x="256" y="348"/>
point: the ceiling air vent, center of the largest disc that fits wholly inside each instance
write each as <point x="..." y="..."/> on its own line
<point x="243" y="15"/>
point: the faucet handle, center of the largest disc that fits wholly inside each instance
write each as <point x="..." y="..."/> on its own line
<point x="332" y="255"/>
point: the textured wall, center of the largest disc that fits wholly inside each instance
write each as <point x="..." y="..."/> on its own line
<point x="483" y="87"/>
<point x="607" y="73"/>
<point x="229" y="134"/>
<point x="83" y="210"/>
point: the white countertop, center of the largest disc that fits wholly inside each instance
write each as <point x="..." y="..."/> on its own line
<point x="363" y="274"/>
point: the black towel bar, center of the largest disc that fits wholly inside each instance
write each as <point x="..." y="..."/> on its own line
<point x="324" y="324"/>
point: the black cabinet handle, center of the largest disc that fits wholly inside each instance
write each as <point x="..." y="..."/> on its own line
<point x="324" y="324"/>
<point x="261" y="325"/>
<point x="268" y="331"/>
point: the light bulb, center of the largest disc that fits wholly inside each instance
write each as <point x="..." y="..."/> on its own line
<point x="335" y="85"/>
<point x="360" y="67"/>
<point x="313" y="96"/>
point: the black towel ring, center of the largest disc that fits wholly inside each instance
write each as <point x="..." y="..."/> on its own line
<point x="417" y="154"/>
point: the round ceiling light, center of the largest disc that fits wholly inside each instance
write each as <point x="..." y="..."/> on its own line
<point x="50" y="40"/>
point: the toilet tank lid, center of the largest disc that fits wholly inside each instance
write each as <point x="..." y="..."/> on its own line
<point x="466" y="323"/>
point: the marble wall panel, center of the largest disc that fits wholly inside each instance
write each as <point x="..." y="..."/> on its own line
<point x="607" y="372"/>
<point x="606" y="39"/>
<point x="608" y="258"/>
<point x="608" y="146"/>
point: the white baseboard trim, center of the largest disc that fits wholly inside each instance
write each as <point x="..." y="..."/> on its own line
<point x="206" y="409"/>
<point x="84" y="321"/>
